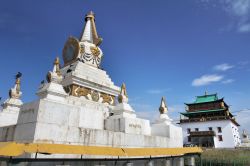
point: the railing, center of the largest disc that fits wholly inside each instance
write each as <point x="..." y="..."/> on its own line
<point x="205" y="119"/>
<point x="202" y="133"/>
<point x="222" y="162"/>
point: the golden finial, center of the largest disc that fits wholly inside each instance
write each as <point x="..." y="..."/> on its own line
<point x="123" y="97"/>
<point x="57" y="65"/>
<point x="163" y="106"/>
<point x="90" y="15"/>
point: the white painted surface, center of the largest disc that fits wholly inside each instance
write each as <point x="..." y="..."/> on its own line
<point x="10" y="111"/>
<point x="90" y="77"/>
<point x="230" y="134"/>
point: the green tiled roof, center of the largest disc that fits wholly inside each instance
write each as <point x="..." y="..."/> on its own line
<point x="201" y="111"/>
<point x="206" y="98"/>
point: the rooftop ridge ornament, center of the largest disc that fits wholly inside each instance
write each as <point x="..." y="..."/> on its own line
<point x="163" y="106"/>
<point x="123" y="97"/>
<point x="89" y="32"/>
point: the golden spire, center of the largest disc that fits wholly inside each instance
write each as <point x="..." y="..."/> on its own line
<point x="57" y="66"/>
<point x="163" y="106"/>
<point x="89" y="31"/>
<point x="123" y="97"/>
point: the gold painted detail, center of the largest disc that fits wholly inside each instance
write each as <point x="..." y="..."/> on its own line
<point x="95" y="51"/>
<point x="57" y="65"/>
<point x="78" y="91"/>
<point x="81" y="91"/>
<point x="106" y="98"/>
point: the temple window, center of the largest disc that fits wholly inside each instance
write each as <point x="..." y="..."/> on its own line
<point x="196" y="129"/>
<point x="210" y="128"/>
<point x="220" y="138"/>
<point x="188" y="130"/>
<point x="219" y="129"/>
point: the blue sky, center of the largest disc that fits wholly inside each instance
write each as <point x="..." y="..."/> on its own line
<point x="173" y="48"/>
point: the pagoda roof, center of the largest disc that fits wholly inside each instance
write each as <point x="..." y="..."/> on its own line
<point x="201" y="111"/>
<point x="205" y="99"/>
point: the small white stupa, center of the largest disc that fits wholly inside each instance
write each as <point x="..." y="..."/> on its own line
<point x="11" y="106"/>
<point x="124" y="118"/>
<point x="163" y="125"/>
<point x="53" y="89"/>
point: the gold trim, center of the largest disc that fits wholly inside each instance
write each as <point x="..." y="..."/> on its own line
<point x="106" y="98"/>
<point x="78" y="91"/>
<point x="81" y="91"/>
<point x="95" y="51"/>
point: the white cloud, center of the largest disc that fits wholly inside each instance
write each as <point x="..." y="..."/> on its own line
<point x="207" y="79"/>
<point x="238" y="10"/>
<point x="228" y="81"/>
<point x="244" y="28"/>
<point x="157" y="91"/>
<point x="223" y="67"/>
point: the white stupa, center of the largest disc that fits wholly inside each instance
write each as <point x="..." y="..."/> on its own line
<point x="78" y="105"/>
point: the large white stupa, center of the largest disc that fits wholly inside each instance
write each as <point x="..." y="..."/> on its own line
<point x="80" y="105"/>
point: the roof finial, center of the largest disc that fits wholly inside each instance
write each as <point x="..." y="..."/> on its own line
<point x="123" y="97"/>
<point x="89" y="32"/>
<point x="163" y="106"/>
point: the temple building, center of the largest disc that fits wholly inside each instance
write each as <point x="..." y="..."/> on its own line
<point x="208" y="122"/>
<point x="80" y="113"/>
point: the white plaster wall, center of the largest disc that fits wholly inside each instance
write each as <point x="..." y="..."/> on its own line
<point x="26" y="122"/>
<point x="227" y="133"/>
<point x="168" y="130"/>
<point x="8" y="117"/>
<point x="128" y="125"/>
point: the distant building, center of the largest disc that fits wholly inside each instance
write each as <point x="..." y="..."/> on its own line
<point x="245" y="142"/>
<point x="208" y="122"/>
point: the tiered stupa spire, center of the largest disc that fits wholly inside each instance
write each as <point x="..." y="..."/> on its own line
<point x="123" y="97"/>
<point x="89" y="32"/>
<point x="163" y="106"/>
